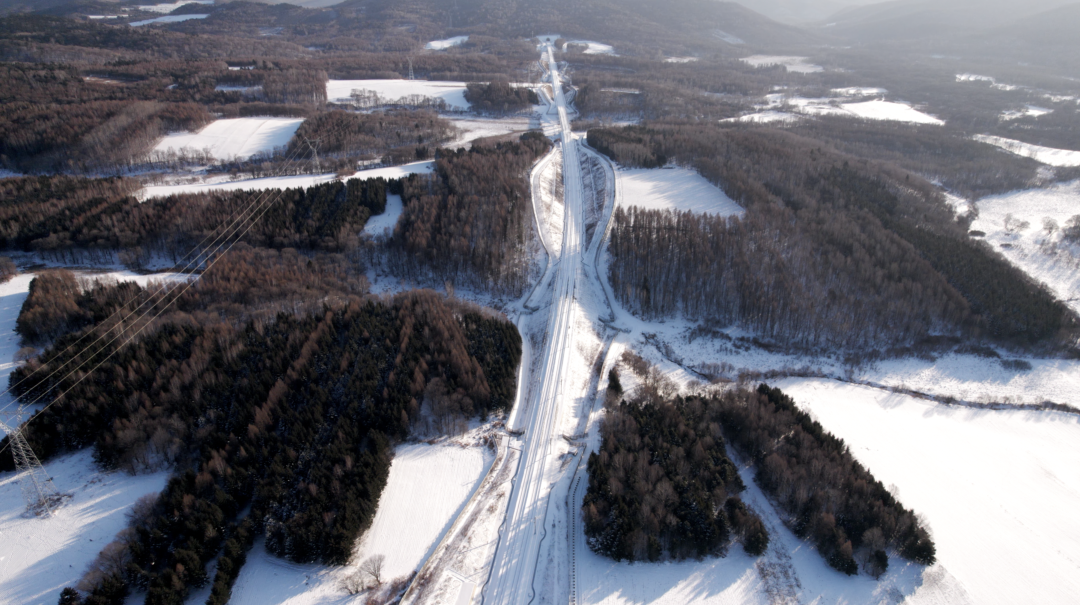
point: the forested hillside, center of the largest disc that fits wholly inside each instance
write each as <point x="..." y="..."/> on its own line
<point x="832" y="250"/>
<point x="286" y="418"/>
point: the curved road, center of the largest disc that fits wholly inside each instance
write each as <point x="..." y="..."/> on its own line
<point x="519" y="548"/>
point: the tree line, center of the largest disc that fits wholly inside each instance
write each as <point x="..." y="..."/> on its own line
<point x="289" y="416"/>
<point x="662" y="485"/>
<point x="829" y="245"/>
<point x="346" y="134"/>
<point x="830" y="498"/>
<point x="499" y="97"/>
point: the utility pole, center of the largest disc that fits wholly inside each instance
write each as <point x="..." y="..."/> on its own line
<point x="315" y="151"/>
<point x="411" y="75"/>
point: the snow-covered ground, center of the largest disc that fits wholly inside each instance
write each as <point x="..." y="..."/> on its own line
<point x="765" y="117"/>
<point x="999" y="488"/>
<point x="987" y="79"/>
<point x="1046" y="155"/>
<point x="1029" y="111"/>
<point x="167" y="19"/>
<point x="729" y="38"/>
<point x="476" y="128"/>
<point x="428" y="486"/>
<point x="39" y="556"/>
<point x="594" y="48"/>
<point x="390" y="91"/>
<point x="859" y="91"/>
<point x="1025" y="240"/>
<point x="282" y="182"/>
<point x="383" y="224"/>
<point x="679" y="189"/>
<point x="779" y="107"/>
<point x="447" y="43"/>
<point x="234" y="138"/>
<point x="168" y="8"/>
<point x="799" y="65"/>
<point x="680" y="59"/>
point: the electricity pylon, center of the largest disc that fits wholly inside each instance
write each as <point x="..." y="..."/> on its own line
<point x="37" y="486"/>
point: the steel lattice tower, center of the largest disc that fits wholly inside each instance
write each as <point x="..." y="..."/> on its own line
<point x="37" y="486"/>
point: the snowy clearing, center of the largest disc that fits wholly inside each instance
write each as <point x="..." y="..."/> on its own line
<point x="1046" y="155"/>
<point x="447" y="43"/>
<point x="239" y="138"/>
<point x="888" y="110"/>
<point x="765" y="117"/>
<point x="797" y="65"/>
<point x="680" y="59"/>
<point x="478" y="128"/>
<point x="679" y="189"/>
<point x="168" y="8"/>
<point x="999" y="488"/>
<point x="594" y="48"/>
<point x="1029" y="111"/>
<point x="282" y="182"/>
<point x="987" y="79"/>
<point x="858" y="91"/>
<point x="383" y="224"/>
<point x="167" y="19"/>
<point x="40" y="556"/>
<point x="1026" y="242"/>
<point x="392" y="91"/>
<point x="878" y="109"/>
<point x="428" y="485"/>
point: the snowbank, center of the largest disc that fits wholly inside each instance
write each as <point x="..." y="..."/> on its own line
<point x="340" y="91"/>
<point x="999" y="488"/>
<point x="40" y="556"/>
<point x="447" y="43"/>
<point x="167" y="19"/>
<point x="793" y="64"/>
<point x="283" y="182"/>
<point x="234" y="138"/>
<point x="672" y="189"/>
<point x="1046" y="155"/>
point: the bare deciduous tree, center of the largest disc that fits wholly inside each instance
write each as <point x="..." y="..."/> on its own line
<point x="372" y="567"/>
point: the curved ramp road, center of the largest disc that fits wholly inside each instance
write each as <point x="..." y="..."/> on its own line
<point x="515" y="562"/>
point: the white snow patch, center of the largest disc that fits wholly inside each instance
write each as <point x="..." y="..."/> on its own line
<point x="1043" y="256"/>
<point x="168" y="8"/>
<point x="858" y="91"/>
<point x="428" y="485"/>
<point x="792" y="64"/>
<point x="677" y="189"/>
<point x="392" y="91"/>
<point x="237" y="87"/>
<point x="447" y="43"/>
<point x="765" y="117"/>
<point x="992" y="81"/>
<point x="1046" y="155"/>
<point x="1032" y="111"/>
<point x="167" y="19"/>
<point x="383" y="224"/>
<point x="283" y="182"/>
<point x="594" y="48"/>
<point x="40" y="556"/>
<point x="478" y="128"/>
<point x="949" y="464"/>
<point x="680" y="59"/>
<point x="234" y="138"/>
<point x="889" y="110"/>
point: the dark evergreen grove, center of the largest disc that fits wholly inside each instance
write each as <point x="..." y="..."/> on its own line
<point x="662" y="485"/>
<point x="280" y="424"/>
<point x="830" y="498"/>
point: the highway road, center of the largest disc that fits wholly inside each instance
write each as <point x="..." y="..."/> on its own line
<point x="515" y="564"/>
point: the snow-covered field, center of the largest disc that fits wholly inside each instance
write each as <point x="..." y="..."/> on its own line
<point x="1046" y="155"/>
<point x="680" y="59"/>
<point x="427" y="487"/>
<point x="779" y="107"/>
<point x="447" y="43"/>
<point x="1029" y="111"/>
<point x="594" y="48"/>
<point x="167" y="19"/>
<point x="679" y="189"/>
<point x="340" y="91"/>
<point x="168" y="8"/>
<point x="234" y="138"/>
<point x="282" y="182"/>
<point x="476" y="128"/>
<point x="1000" y="489"/>
<point x="1025" y="240"/>
<point x="799" y="65"/>
<point x="765" y="117"/>
<point x="40" y="556"/>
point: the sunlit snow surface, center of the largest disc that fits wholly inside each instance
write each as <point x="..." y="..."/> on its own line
<point x="1046" y="155"/>
<point x="390" y="91"/>
<point x="168" y="8"/>
<point x="234" y="138"/>
<point x="677" y="189"/>
<point x="781" y="108"/>
<point x="167" y="19"/>
<point x="447" y="43"/>
<point x="594" y="48"/>
<point x="283" y="182"/>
